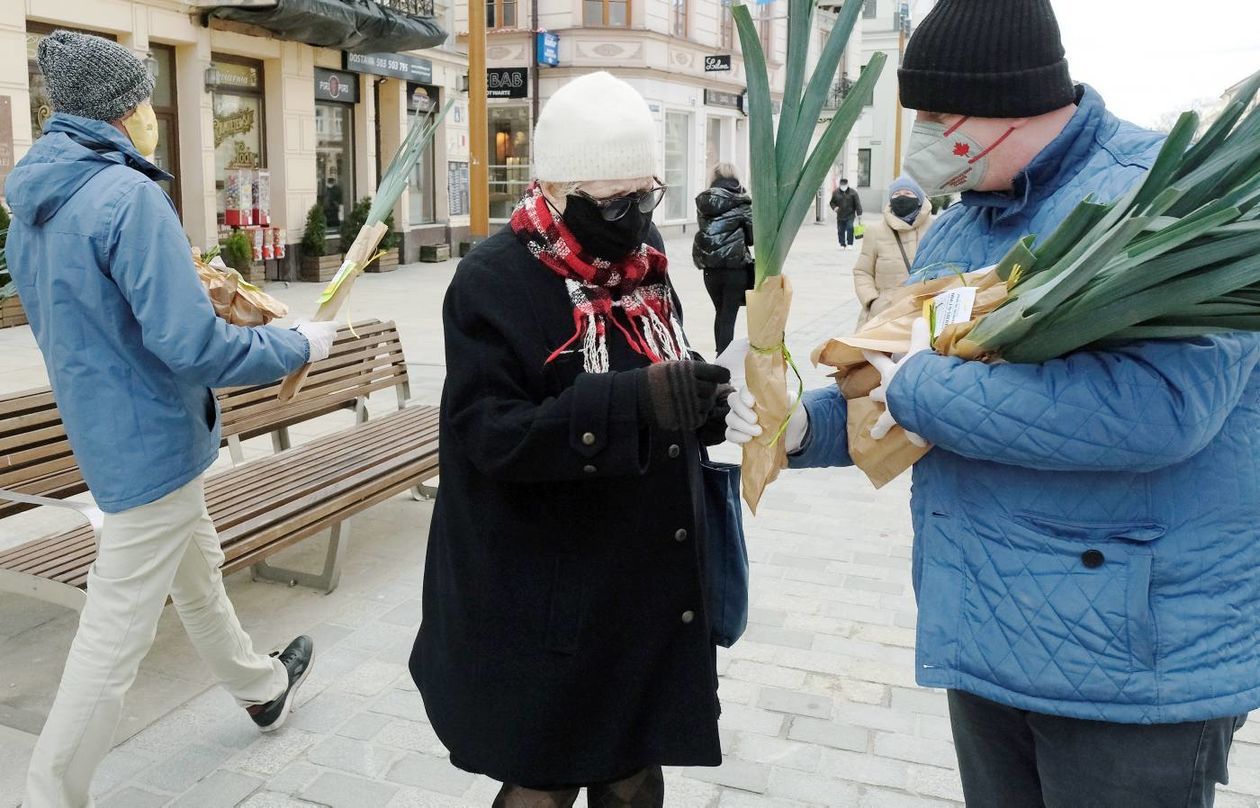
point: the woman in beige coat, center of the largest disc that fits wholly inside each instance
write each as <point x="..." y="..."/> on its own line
<point x="889" y="245"/>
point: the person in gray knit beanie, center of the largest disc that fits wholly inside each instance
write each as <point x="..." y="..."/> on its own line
<point x="92" y="77"/>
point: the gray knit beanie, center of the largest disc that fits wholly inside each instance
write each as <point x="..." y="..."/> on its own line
<point x="92" y="77"/>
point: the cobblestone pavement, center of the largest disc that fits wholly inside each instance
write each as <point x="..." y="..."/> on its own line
<point x="819" y="702"/>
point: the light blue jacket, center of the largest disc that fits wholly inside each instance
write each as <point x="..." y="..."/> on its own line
<point x="130" y="339"/>
<point x="1087" y="531"/>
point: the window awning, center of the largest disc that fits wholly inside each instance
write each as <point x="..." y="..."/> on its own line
<point x="358" y="26"/>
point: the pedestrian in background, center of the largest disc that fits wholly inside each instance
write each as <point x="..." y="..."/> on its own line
<point x="889" y="246"/>
<point x="1085" y="528"/>
<point x="848" y="207"/>
<point x="720" y="248"/>
<point x="133" y="348"/>
<point x="565" y="641"/>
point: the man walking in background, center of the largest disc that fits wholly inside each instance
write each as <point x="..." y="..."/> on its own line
<point x="133" y="348"/>
<point x="848" y="206"/>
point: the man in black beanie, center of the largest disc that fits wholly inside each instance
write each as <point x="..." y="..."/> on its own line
<point x="1085" y="539"/>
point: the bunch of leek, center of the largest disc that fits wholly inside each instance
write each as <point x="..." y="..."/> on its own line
<point x="362" y="251"/>
<point x="1177" y="257"/>
<point x="785" y="177"/>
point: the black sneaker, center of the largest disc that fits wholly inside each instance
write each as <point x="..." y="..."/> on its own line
<point x="297" y="660"/>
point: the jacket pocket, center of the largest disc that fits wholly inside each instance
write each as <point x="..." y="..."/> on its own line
<point x="568" y="601"/>
<point x="211" y="409"/>
<point x="1060" y="607"/>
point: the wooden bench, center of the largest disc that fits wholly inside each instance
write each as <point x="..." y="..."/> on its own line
<point x="259" y="506"/>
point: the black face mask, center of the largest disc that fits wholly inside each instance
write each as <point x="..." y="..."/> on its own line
<point x="611" y="241"/>
<point x="904" y="207"/>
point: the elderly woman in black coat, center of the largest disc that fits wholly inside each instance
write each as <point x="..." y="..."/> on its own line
<point x="565" y="642"/>
<point x="720" y="248"/>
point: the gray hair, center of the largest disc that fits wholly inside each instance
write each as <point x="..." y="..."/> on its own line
<point x="724" y="171"/>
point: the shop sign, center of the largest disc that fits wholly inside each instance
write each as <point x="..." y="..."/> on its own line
<point x="507" y="82"/>
<point x="715" y="64"/>
<point x="240" y="122"/>
<point x="457" y="186"/>
<point x="397" y="65"/>
<point x="333" y="85"/>
<point x="231" y="76"/>
<point x="549" y="49"/>
<point x="721" y="98"/>
<point x="419" y="99"/>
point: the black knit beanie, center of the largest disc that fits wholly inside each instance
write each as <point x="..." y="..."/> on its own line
<point x="987" y="58"/>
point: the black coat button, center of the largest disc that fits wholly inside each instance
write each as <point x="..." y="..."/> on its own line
<point x="674" y="450"/>
<point x="680" y="535"/>
<point x="589" y="469"/>
<point x="588" y="439"/>
<point x="1093" y="559"/>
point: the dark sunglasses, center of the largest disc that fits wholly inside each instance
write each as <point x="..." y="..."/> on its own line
<point x="614" y="208"/>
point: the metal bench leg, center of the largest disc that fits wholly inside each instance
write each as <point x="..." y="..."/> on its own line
<point x="235" y="451"/>
<point x="43" y="589"/>
<point x="424" y="493"/>
<point x="326" y="580"/>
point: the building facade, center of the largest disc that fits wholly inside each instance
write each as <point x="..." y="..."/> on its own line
<point x="256" y="129"/>
<point x="876" y="160"/>
<point x="683" y="56"/>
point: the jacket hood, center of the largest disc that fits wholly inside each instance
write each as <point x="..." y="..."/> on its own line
<point x="714" y="202"/>
<point x="71" y="152"/>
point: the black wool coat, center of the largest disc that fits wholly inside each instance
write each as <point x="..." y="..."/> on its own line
<point x="564" y="639"/>
<point x="725" y="231"/>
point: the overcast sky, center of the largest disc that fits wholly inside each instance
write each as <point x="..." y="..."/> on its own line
<point x="1149" y="57"/>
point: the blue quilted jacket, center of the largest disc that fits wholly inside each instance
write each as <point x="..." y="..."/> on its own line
<point x="130" y="339"/>
<point x="1087" y="530"/>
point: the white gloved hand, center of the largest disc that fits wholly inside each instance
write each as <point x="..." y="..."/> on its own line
<point x="319" y="335"/>
<point x="920" y="341"/>
<point x="732" y="358"/>
<point x="742" y="425"/>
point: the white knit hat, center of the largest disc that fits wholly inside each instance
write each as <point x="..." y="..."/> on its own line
<point x="596" y="127"/>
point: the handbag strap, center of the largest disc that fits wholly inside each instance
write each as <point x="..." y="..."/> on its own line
<point x="902" y="247"/>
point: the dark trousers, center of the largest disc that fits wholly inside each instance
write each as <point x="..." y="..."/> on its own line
<point x="726" y="289"/>
<point x="844" y="229"/>
<point x="1013" y="758"/>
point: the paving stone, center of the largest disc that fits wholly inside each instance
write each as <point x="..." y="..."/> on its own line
<point x="916" y="750"/>
<point x="337" y="790"/>
<point x="772" y="635"/>
<point x="881" y="798"/>
<point x="422" y="798"/>
<point x="271" y="799"/>
<point x="371" y="678"/>
<point x="762" y="674"/>
<point x="813" y="789"/>
<point x="356" y="757"/>
<point x="273" y="751"/>
<point x="835" y="734"/>
<point x="364" y="726"/>
<point x="751" y="719"/>
<point x="406" y="614"/>
<point x="182" y="770"/>
<point x="734" y="773"/>
<point x="415" y="736"/>
<point x="777" y="752"/>
<point x="919" y="700"/>
<point x="863" y="768"/>
<point x="933" y="781"/>
<point x="433" y="773"/>
<point x="222" y="789"/>
<point x="327" y="711"/>
<point x="740" y="799"/>
<point x="293" y="778"/>
<point x="795" y="702"/>
<point x="132" y="797"/>
<point x="401" y="704"/>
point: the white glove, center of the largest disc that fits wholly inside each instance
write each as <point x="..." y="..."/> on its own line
<point x="319" y="335"/>
<point x="920" y="341"/>
<point x="732" y="358"/>
<point x="742" y="426"/>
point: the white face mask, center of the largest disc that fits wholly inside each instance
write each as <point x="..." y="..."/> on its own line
<point x="945" y="160"/>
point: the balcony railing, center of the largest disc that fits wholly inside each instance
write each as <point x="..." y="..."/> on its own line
<point x="839" y="91"/>
<point x="415" y="8"/>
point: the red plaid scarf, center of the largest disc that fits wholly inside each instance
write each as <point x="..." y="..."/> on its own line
<point x="636" y="286"/>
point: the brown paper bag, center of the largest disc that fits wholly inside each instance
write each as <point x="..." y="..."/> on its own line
<point x="236" y="300"/>
<point x="889" y="332"/>
<point x="766" y="370"/>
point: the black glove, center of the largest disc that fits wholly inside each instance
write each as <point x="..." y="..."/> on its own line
<point x="713" y="430"/>
<point x="679" y="396"/>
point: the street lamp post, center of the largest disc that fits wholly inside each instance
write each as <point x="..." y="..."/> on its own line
<point x="478" y="137"/>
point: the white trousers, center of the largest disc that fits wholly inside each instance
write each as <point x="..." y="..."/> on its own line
<point x="166" y="547"/>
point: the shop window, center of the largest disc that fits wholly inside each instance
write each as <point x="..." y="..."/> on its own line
<point x="871" y="9"/>
<point x="41" y="106"/>
<point x="509" y="157"/>
<point x="334" y="160"/>
<point x="726" y="26"/>
<point x="679" y="17"/>
<point x="423" y="100"/>
<point x="613" y="13"/>
<point x="712" y="147"/>
<point x="167" y="155"/>
<point x="864" y="168"/>
<point x="677" y="163"/>
<point x="765" y="31"/>
<point x="236" y="100"/>
<point x="500" y="13"/>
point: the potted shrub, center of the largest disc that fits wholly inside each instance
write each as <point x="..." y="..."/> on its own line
<point x="317" y="264"/>
<point x="11" y="313"/>
<point x="238" y="253"/>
